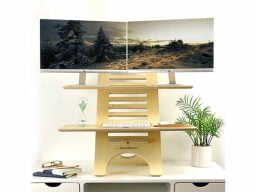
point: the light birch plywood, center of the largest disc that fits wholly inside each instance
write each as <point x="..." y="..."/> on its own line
<point x="130" y="86"/>
<point x="99" y="128"/>
<point x="128" y="98"/>
<point x="108" y="148"/>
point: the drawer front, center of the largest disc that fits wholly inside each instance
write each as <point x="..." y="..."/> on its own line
<point x="127" y="187"/>
<point x="55" y="187"/>
<point x="199" y="187"/>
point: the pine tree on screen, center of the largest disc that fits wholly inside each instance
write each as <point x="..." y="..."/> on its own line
<point x="71" y="51"/>
<point x="103" y="49"/>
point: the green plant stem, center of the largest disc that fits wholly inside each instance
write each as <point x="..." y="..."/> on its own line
<point x="210" y="139"/>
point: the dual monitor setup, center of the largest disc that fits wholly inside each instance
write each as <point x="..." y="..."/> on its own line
<point x="182" y="45"/>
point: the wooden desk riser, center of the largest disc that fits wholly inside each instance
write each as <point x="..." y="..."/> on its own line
<point x="127" y="98"/>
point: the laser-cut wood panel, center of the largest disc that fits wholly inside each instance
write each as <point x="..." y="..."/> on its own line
<point x="148" y="148"/>
<point x="128" y="98"/>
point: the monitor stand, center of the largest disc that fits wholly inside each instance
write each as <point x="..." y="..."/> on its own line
<point x="172" y="79"/>
<point x="82" y="78"/>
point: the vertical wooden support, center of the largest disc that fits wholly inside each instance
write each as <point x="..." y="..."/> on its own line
<point x="109" y="99"/>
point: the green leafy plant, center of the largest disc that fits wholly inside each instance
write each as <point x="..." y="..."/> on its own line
<point x="201" y="117"/>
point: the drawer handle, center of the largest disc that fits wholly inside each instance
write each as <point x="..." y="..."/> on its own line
<point x="200" y="184"/>
<point x="52" y="184"/>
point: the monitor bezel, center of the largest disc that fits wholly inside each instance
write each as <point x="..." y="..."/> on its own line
<point x="126" y="71"/>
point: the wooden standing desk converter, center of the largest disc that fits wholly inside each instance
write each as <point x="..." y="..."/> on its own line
<point x="128" y="98"/>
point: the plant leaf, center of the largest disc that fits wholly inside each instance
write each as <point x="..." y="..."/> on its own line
<point x="201" y="117"/>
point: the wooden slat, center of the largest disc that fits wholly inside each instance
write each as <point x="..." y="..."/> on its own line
<point x="127" y="77"/>
<point x="127" y="114"/>
<point x="128" y="139"/>
<point x="127" y="106"/>
<point x="128" y="90"/>
<point x="127" y="98"/>
<point x="128" y="83"/>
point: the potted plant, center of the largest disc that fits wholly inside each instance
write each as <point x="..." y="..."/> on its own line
<point x="208" y="127"/>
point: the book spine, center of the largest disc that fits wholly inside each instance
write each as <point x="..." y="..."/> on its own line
<point x="41" y="174"/>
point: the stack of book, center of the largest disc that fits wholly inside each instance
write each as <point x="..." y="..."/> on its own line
<point x="58" y="172"/>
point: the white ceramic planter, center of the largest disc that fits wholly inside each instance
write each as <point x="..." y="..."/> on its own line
<point x="201" y="156"/>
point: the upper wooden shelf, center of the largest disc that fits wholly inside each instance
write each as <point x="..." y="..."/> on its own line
<point x="88" y="128"/>
<point x="162" y="86"/>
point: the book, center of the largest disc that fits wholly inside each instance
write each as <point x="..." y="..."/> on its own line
<point x="43" y="174"/>
<point x="62" y="171"/>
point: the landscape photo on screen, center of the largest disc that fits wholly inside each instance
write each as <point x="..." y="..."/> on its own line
<point x="74" y="44"/>
<point x="171" y="44"/>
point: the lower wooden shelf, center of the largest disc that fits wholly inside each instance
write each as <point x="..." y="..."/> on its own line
<point x="97" y="128"/>
<point x="146" y="147"/>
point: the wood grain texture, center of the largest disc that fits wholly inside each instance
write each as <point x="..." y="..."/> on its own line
<point x="141" y="93"/>
<point x="109" y="148"/>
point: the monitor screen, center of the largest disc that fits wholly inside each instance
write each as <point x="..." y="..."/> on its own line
<point x="106" y="46"/>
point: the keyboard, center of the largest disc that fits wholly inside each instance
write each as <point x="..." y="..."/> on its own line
<point x="127" y="125"/>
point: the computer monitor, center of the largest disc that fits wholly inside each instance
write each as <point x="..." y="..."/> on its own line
<point x="136" y="46"/>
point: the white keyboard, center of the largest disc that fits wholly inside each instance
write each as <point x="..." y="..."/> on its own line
<point x="127" y="125"/>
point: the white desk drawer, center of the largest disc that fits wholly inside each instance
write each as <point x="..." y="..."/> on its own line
<point x="199" y="187"/>
<point x="127" y="187"/>
<point x="55" y="187"/>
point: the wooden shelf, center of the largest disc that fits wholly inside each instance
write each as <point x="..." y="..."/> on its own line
<point x="174" y="86"/>
<point x="162" y="86"/>
<point x="88" y="128"/>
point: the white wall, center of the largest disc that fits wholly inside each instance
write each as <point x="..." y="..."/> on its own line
<point x="28" y="132"/>
<point x="230" y="90"/>
<point x="28" y="127"/>
<point x="58" y="107"/>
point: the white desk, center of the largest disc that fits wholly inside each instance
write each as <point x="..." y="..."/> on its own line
<point x="177" y="177"/>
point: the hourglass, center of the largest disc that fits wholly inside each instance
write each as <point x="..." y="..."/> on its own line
<point x="82" y="103"/>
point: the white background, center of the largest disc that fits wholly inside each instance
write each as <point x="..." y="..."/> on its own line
<point x="33" y="105"/>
